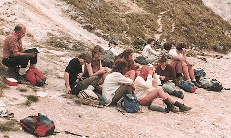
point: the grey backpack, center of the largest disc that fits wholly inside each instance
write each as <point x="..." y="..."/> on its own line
<point x="107" y="58"/>
<point x="211" y="84"/>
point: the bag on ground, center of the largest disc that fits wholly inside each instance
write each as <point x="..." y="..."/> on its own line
<point x="141" y="60"/>
<point x="187" y="86"/>
<point x="130" y="103"/>
<point x="35" y="76"/>
<point x="107" y="58"/>
<point x="199" y="73"/>
<point x="211" y="84"/>
<point x="39" y="125"/>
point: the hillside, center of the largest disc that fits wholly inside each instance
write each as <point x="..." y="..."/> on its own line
<point x="60" y="33"/>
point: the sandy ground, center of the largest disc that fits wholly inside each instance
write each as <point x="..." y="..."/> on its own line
<point x="209" y="117"/>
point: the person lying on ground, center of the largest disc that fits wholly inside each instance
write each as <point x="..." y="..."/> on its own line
<point x="94" y="68"/>
<point x="150" y="94"/>
<point x="167" y="77"/>
<point x="181" y="64"/>
<point x="73" y="73"/>
<point x="130" y="71"/>
<point x="150" y="54"/>
<point x="14" y="56"/>
<point x="116" y="84"/>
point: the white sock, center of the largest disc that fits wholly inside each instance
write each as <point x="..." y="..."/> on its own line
<point x="90" y="87"/>
<point x="22" y="71"/>
<point x="194" y="80"/>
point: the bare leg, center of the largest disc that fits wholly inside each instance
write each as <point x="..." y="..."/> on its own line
<point x="191" y="72"/>
<point x="185" y="71"/>
<point x="158" y="92"/>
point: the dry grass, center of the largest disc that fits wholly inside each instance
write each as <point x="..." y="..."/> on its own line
<point x="183" y="21"/>
<point x="9" y="126"/>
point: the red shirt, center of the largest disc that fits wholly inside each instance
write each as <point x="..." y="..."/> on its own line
<point x="168" y="72"/>
<point x="12" y="45"/>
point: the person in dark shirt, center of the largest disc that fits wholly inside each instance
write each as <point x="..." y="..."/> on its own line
<point x="73" y="74"/>
<point x="167" y="77"/>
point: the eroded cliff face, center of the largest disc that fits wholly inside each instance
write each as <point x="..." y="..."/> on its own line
<point x="221" y="7"/>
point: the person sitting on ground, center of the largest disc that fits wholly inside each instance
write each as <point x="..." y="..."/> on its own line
<point x="148" y="52"/>
<point x="116" y="84"/>
<point x="94" y="68"/>
<point x="14" y="56"/>
<point x="150" y="94"/>
<point x="73" y="73"/>
<point x="181" y="64"/>
<point x="130" y="70"/>
<point x="112" y="44"/>
<point x="167" y="77"/>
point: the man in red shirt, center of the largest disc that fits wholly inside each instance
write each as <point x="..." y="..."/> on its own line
<point x="14" y="56"/>
<point x="167" y="77"/>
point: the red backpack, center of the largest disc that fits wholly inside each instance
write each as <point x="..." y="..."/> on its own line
<point x="39" y="125"/>
<point x="35" y="76"/>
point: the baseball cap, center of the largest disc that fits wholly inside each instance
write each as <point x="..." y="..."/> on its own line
<point x="113" y="42"/>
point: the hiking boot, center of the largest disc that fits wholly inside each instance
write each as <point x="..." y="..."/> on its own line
<point x="22" y="79"/>
<point x="196" y="84"/>
<point x="170" y="106"/>
<point x="182" y="107"/>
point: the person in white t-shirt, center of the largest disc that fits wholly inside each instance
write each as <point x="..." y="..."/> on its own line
<point x="112" y="44"/>
<point x="181" y="64"/>
<point x="116" y="84"/>
<point x="149" y="53"/>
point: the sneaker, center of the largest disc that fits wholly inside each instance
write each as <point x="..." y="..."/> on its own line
<point x="22" y="79"/>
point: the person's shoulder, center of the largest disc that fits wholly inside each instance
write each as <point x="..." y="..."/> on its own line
<point x="74" y="60"/>
<point x="10" y="37"/>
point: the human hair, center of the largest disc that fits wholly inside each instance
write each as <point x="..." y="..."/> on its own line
<point x="167" y="46"/>
<point x="120" y="66"/>
<point x="96" y="49"/>
<point x="86" y="56"/>
<point x="18" y="28"/>
<point x="180" y="46"/>
<point x="150" y="40"/>
<point x="125" y="55"/>
<point x="144" y="71"/>
<point x="163" y="58"/>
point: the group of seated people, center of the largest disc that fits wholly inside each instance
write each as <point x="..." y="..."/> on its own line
<point x="152" y="84"/>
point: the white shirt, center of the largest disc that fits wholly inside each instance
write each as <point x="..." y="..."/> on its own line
<point x="111" y="83"/>
<point x="147" y="51"/>
<point x="173" y="52"/>
<point x="144" y="87"/>
<point x="112" y="49"/>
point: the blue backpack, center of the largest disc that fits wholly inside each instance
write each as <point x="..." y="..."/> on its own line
<point x="187" y="86"/>
<point x="131" y="105"/>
